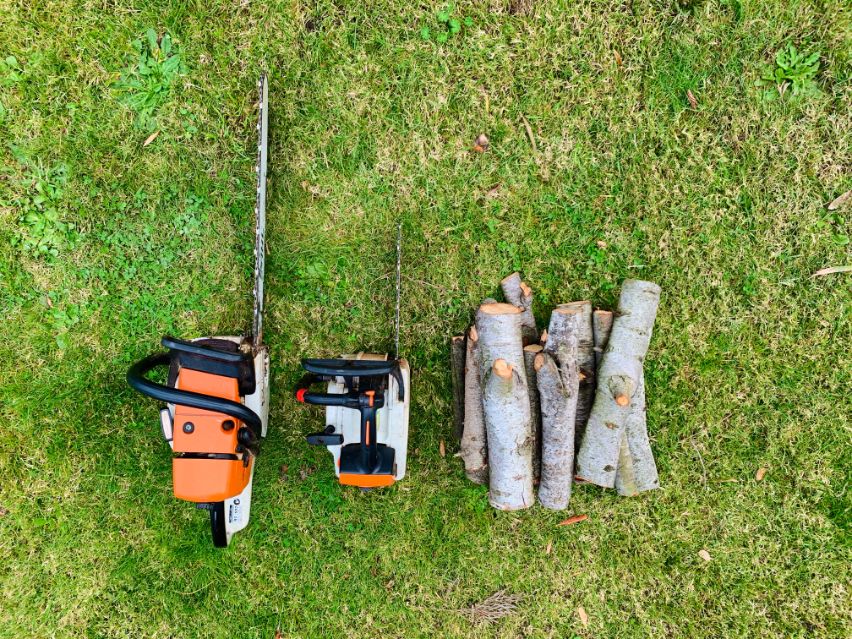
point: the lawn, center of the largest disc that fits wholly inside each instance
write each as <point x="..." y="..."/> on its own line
<point x="650" y="152"/>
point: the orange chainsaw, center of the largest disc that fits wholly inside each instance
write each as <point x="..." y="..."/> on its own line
<point x="217" y="395"/>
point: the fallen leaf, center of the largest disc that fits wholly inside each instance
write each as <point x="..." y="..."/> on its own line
<point x="832" y="269"/>
<point x="618" y="60"/>
<point x="840" y="201"/>
<point x="3" y="511"/>
<point x="150" y="139"/>
<point x="278" y="634"/>
<point x="442" y="448"/>
<point x="601" y="244"/>
<point x="691" y="97"/>
<point x="760" y="474"/>
<point x="704" y="555"/>
<point x="282" y="472"/>
<point x="576" y="519"/>
<point x="584" y="618"/>
<point x="548" y="548"/>
<point x="481" y="143"/>
<point x="729" y="480"/>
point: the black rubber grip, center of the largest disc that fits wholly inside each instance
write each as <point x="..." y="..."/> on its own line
<point x="136" y="378"/>
<point x="205" y="351"/>
<point x="348" y="367"/>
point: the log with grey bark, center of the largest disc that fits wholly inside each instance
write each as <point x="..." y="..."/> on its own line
<point x="585" y="364"/>
<point x="506" y="406"/>
<point x="474" y="447"/>
<point x="619" y="379"/>
<point x="519" y="294"/>
<point x="457" y="357"/>
<point x="637" y="470"/>
<point x="535" y="412"/>
<point x="557" y="375"/>
<point x="601" y="327"/>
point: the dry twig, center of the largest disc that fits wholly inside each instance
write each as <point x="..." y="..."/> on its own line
<point x="495" y="607"/>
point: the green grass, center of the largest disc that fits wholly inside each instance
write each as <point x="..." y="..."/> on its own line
<point x="723" y="204"/>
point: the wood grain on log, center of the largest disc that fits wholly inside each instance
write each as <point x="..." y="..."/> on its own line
<point x="506" y="407"/>
<point x="618" y="381"/>
<point x="519" y="294"/>
<point x="458" y="347"/>
<point x="559" y="388"/>
<point x="474" y="447"/>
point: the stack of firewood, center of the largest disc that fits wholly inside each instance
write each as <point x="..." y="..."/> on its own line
<point x="525" y="401"/>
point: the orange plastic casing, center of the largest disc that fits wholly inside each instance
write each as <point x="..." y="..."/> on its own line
<point x="200" y="479"/>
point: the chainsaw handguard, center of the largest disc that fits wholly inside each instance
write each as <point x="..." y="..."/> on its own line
<point x="327" y="369"/>
<point x="136" y="378"/>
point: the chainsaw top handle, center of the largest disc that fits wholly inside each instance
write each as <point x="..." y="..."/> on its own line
<point x="328" y="369"/>
<point x="136" y="378"/>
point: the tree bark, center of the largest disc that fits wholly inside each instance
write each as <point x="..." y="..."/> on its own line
<point x="618" y="382"/>
<point x="519" y="294"/>
<point x="530" y="353"/>
<point x="585" y="364"/>
<point x="506" y="406"/>
<point x="474" y="448"/>
<point x="601" y="327"/>
<point x="458" y="355"/>
<point x="637" y="470"/>
<point x="558" y="386"/>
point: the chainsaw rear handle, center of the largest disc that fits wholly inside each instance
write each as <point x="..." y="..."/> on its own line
<point x="304" y="395"/>
<point x="136" y="378"/>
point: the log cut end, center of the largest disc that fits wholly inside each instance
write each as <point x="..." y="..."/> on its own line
<point x="502" y="368"/>
<point x="533" y="348"/>
<point x="472" y="335"/>
<point x="579" y="306"/>
<point x="510" y="279"/>
<point x="499" y="308"/>
<point x="538" y="362"/>
<point x="543" y="338"/>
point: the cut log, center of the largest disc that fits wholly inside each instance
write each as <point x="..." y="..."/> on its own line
<point x="530" y="353"/>
<point x="506" y="406"/>
<point x="619" y="379"/>
<point x="519" y="294"/>
<point x="637" y="470"/>
<point x="601" y="327"/>
<point x="585" y="364"/>
<point x="474" y="448"/>
<point x="558" y="387"/>
<point x="457" y="356"/>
